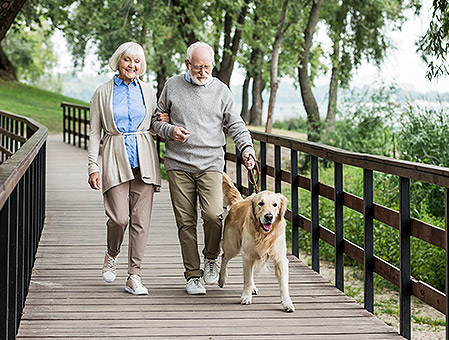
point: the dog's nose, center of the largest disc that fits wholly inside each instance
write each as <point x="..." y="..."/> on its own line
<point x="268" y="217"/>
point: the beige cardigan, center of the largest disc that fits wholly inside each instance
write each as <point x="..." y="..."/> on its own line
<point x="115" y="163"/>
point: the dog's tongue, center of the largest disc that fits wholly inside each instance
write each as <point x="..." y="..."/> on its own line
<point x="267" y="226"/>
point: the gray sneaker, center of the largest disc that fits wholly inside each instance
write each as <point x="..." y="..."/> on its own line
<point x="194" y="287"/>
<point x="109" y="266"/>
<point x="211" y="271"/>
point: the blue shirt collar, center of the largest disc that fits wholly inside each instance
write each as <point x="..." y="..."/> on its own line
<point x="188" y="77"/>
<point x="119" y="82"/>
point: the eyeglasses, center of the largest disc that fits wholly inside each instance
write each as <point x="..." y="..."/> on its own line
<point x="206" y="68"/>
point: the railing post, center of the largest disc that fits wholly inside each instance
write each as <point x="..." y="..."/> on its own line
<point x="79" y="128"/>
<point x="21" y="246"/>
<point x="238" y="169"/>
<point x="315" y="193"/>
<point x="263" y="166"/>
<point x="250" y="186"/>
<point x="368" y="240"/>
<point x="74" y="126"/>
<point x="85" y="129"/>
<point x="277" y="169"/>
<point x="404" y="257"/>
<point x="446" y="210"/>
<point x="294" y="201"/>
<point x="13" y="310"/>
<point x="339" y="232"/>
<point x="4" y="270"/>
<point x="64" y="121"/>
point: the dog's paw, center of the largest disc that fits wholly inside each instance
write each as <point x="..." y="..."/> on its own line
<point x="255" y="290"/>
<point x="288" y="306"/>
<point x="246" y="300"/>
<point x="221" y="281"/>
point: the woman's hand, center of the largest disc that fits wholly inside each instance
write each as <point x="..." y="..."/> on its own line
<point x="180" y="134"/>
<point x="163" y="117"/>
<point x="94" y="180"/>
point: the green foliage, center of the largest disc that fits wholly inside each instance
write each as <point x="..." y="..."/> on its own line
<point x="291" y="124"/>
<point x="366" y="123"/>
<point x="434" y="44"/>
<point x="376" y="125"/>
<point x="31" y="51"/>
<point x="422" y="138"/>
<point x="40" y="105"/>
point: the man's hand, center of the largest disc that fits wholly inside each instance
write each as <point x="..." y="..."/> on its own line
<point x="180" y="134"/>
<point x="94" y="180"/>
<point x="163" y="117"/>
<point x="248" y="160"/>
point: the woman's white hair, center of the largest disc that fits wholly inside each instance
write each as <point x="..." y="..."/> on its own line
<point x="128" y="49"/>
<point x="194" y="46"/>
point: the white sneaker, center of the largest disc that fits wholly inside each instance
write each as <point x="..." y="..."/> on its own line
<point x="134" y="285"/>
<point x="194" y="287"/>
<point x="109" y="266"/>
<point x="211" y="271"/>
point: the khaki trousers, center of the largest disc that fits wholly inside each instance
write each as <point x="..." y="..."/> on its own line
<point x="129" y="203"/>
<point x="185" y="189"/>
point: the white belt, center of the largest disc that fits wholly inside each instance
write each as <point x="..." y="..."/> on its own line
<point x="130" y="133"/>
<point x="136" y="133"/>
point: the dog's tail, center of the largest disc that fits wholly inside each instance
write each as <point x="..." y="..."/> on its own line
<point x="230" y="192"/>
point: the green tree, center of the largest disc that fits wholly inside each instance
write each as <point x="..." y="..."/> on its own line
<point x="30" y="50"/>
<point x="9" y="11"/>
<point x="434" y="44"/>
<point x="357" y="33"/>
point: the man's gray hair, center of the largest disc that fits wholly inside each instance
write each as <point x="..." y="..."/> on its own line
<point x="128" y="49"/>
<point x="194" y="46"/>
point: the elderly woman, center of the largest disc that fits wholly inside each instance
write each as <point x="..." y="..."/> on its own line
<point x="120" y="114"/>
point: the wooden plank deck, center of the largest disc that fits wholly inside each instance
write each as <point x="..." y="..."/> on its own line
<point x="69" y="300"/>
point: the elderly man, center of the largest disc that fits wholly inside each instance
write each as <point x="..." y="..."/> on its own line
<point x="200" y="107"/>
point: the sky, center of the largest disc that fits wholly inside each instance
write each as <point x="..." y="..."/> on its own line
<point x="403" y="65"/>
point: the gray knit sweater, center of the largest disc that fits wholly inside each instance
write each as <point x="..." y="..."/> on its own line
<point x="204" y="111"/>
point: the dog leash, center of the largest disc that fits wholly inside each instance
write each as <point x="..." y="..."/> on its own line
<point x="253" y="174"/>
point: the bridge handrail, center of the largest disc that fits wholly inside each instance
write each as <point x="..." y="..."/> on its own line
<point x="22" y="212"/>
<point x="400" y="220"/>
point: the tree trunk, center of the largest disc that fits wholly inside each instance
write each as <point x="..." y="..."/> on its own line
<point x="8" y="12"/>
<point x="7" y="70"/>
<point x="333" y="85"/>
<point x="245" y="113"/>
<point x="230" y="48"/>
<point x="256" y="107"/>
<point x="310" y="104"/>
<point x="160" y="78"/>
<point x="274" y="66"/>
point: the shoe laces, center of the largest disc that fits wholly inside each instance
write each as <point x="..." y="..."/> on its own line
<point x="212" y="264"/>
<point x="196" y="282"/>
<point x="136" y="280"/>
<point x="111" y="262"/>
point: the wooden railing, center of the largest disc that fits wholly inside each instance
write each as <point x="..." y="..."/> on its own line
<point x="22" y="212"/>
<point x="400" y="220"/>
<point x="75" y="123"/>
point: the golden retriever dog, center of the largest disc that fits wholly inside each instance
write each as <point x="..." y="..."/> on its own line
<point x="255" y="227"/>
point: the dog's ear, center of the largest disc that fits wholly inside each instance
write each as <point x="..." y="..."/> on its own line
<point x="284" y="203"/>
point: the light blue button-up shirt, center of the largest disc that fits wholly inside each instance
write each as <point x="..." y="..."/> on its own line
<point x="129" y="111"/>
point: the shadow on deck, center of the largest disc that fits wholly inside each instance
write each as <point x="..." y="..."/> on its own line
<point x="68" y="298"/>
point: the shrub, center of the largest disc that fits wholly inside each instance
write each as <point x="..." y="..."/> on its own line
<point x="422" y="137"/>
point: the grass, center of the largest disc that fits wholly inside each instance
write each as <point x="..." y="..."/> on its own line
<point x="41" y="105"/>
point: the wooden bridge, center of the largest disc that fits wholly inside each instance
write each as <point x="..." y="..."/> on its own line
<point x="51" y="254"/>
<point x="68" y="298"/>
